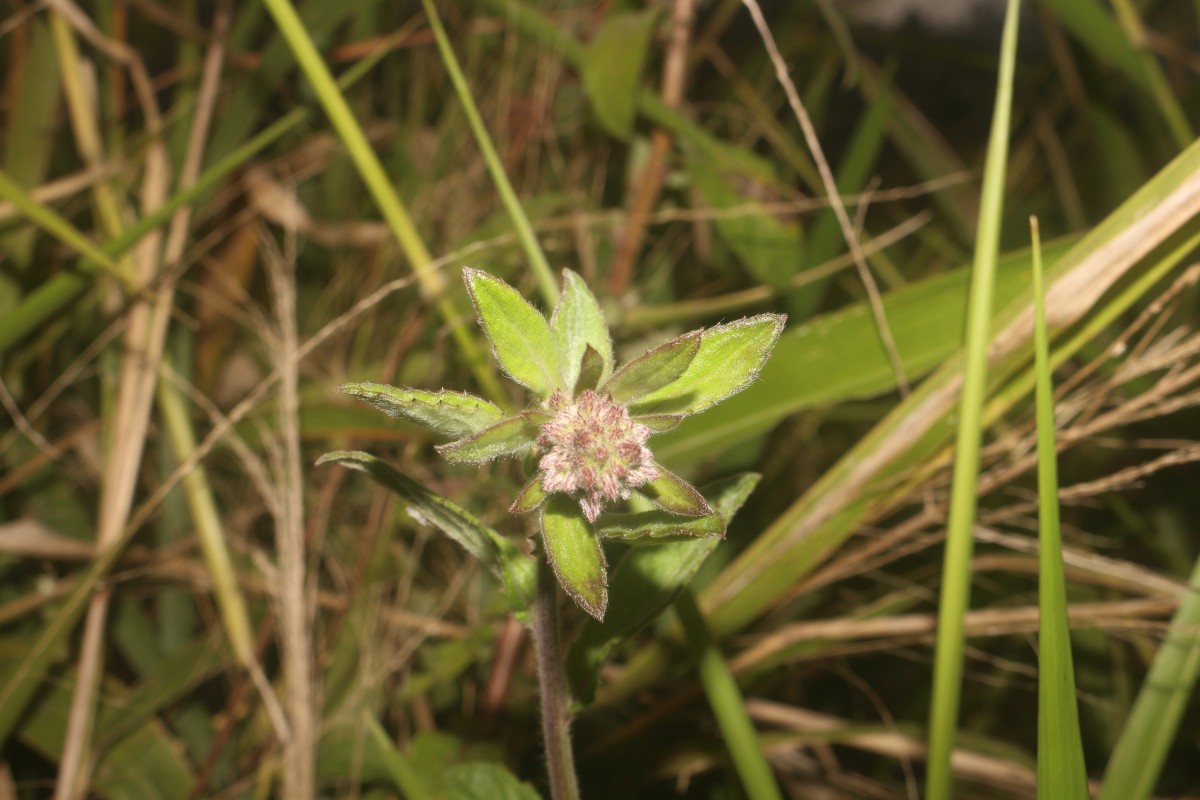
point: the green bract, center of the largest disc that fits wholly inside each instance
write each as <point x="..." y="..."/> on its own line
<point x="589" y="421"/>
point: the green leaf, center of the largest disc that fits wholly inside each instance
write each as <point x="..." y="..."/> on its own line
<point x="672" y="493"/>
<point x="530" y="498"/>
<point x="591" y="371"/>
<point x="729" y="359"/>
<point x="452" y="413"/>
<point x="513" y="435"/>
<point x="660" y="423"/>
<point x="486" y="782"/>
<point x="517" y="570"/>
<point x="612" y="68"/>
<point x="645" y="581"/>
<point x="578" y="323"/>
<point x="769" y="247"/>
<point x="653" y="369"/>
<point x="519" y="335"/>
<point x="653" y="526"/>
<point x="575" y="554"/>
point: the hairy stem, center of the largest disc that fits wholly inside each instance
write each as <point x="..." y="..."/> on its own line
<point x="556" y="702"/>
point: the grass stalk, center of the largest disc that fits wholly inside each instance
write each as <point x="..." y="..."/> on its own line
<point x="525" y="233"/>
<point x="1061" y="773"/>
<point x="956" y="569"/>
<point x="430" y="281"/>
<point x="727" y="703"/>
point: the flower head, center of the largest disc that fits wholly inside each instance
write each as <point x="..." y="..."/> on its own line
<point x="594" y="449"/>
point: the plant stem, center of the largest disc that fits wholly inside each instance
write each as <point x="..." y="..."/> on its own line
<point x="556" y="703"/>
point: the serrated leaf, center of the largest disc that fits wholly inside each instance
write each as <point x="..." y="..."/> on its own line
<point x="650" y="527"/>
<point x="486" y="782"/>
<point x="578" y="323"/>
<point x="673" y="494"/>
<point x="770" y="247"/>
<point x="653" y="369"/>
<point x="530" y="498"/>
<point x="591" y="371"/>
<point x="519" y="335"/>
<point x="452" y="413"/>
<point x="729" y="359"/>
<point x="517" y="570"/>
<point x="645" y="581"/>
<point x="575" y="554"/>
<point x="513" y="435"/>
<point x="612" y="68"/>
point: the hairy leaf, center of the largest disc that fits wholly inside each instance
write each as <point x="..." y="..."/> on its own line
<point x="519" y="334"/>
<point x="575" y="554"/>
<point x="653" y="369"/>
<point x="729" y="359"/>
<point x="513" y="435"/>
<point x="517" y="570"/>
<point x="653" y="526"/>
<point x="452" y="413"/>
<point x="578" y="323"/>
<point x="673" y="494"/>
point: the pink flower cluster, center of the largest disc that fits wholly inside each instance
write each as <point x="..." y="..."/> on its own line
<point x="594" y="449"/>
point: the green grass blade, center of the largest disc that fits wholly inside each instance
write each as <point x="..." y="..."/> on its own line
<point x="726" y="700"/>
<point x="1061" y="772"/>
<point x="529" y="242"/>
<point x="1153" y="724"/>
<point x="956" y="570"/>
<point x="430" y="280"/>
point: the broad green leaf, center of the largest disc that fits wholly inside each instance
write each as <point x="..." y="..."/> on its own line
<point x="612" y="68"/>
<point x="452" y="413"/>
<point x="486" y="782"/>
<point x="645" y="581"/>
<point x="649" y="527"/>
<point x="653" y="369"/>
<point x="575" y="554"/>
<point x="729" y="359"/>
<point x="519" y="334"/>
<point x="514" y="435"/>
<point x="530" y="498"/>
<point x="517" y="570"/>
<point x="673" y="494"/>
<point x="577" y="323"/>
<point x="769" y="247"/>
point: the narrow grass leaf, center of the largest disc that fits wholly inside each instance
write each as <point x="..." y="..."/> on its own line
<point x="455" y="414"/>
<point x="577" y="324"/>
<point x="575" y="555"/>
<point x="653" y="369"/>
<point x="1168" y="689"/>
<point x="729" y="359"/>
<point x="956" y="565"/>
<point x="1061" y="773"/>
<point x="519" y="334"/>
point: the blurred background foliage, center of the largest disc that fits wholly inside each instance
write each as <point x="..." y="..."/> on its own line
<point x="654" y="150"/>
